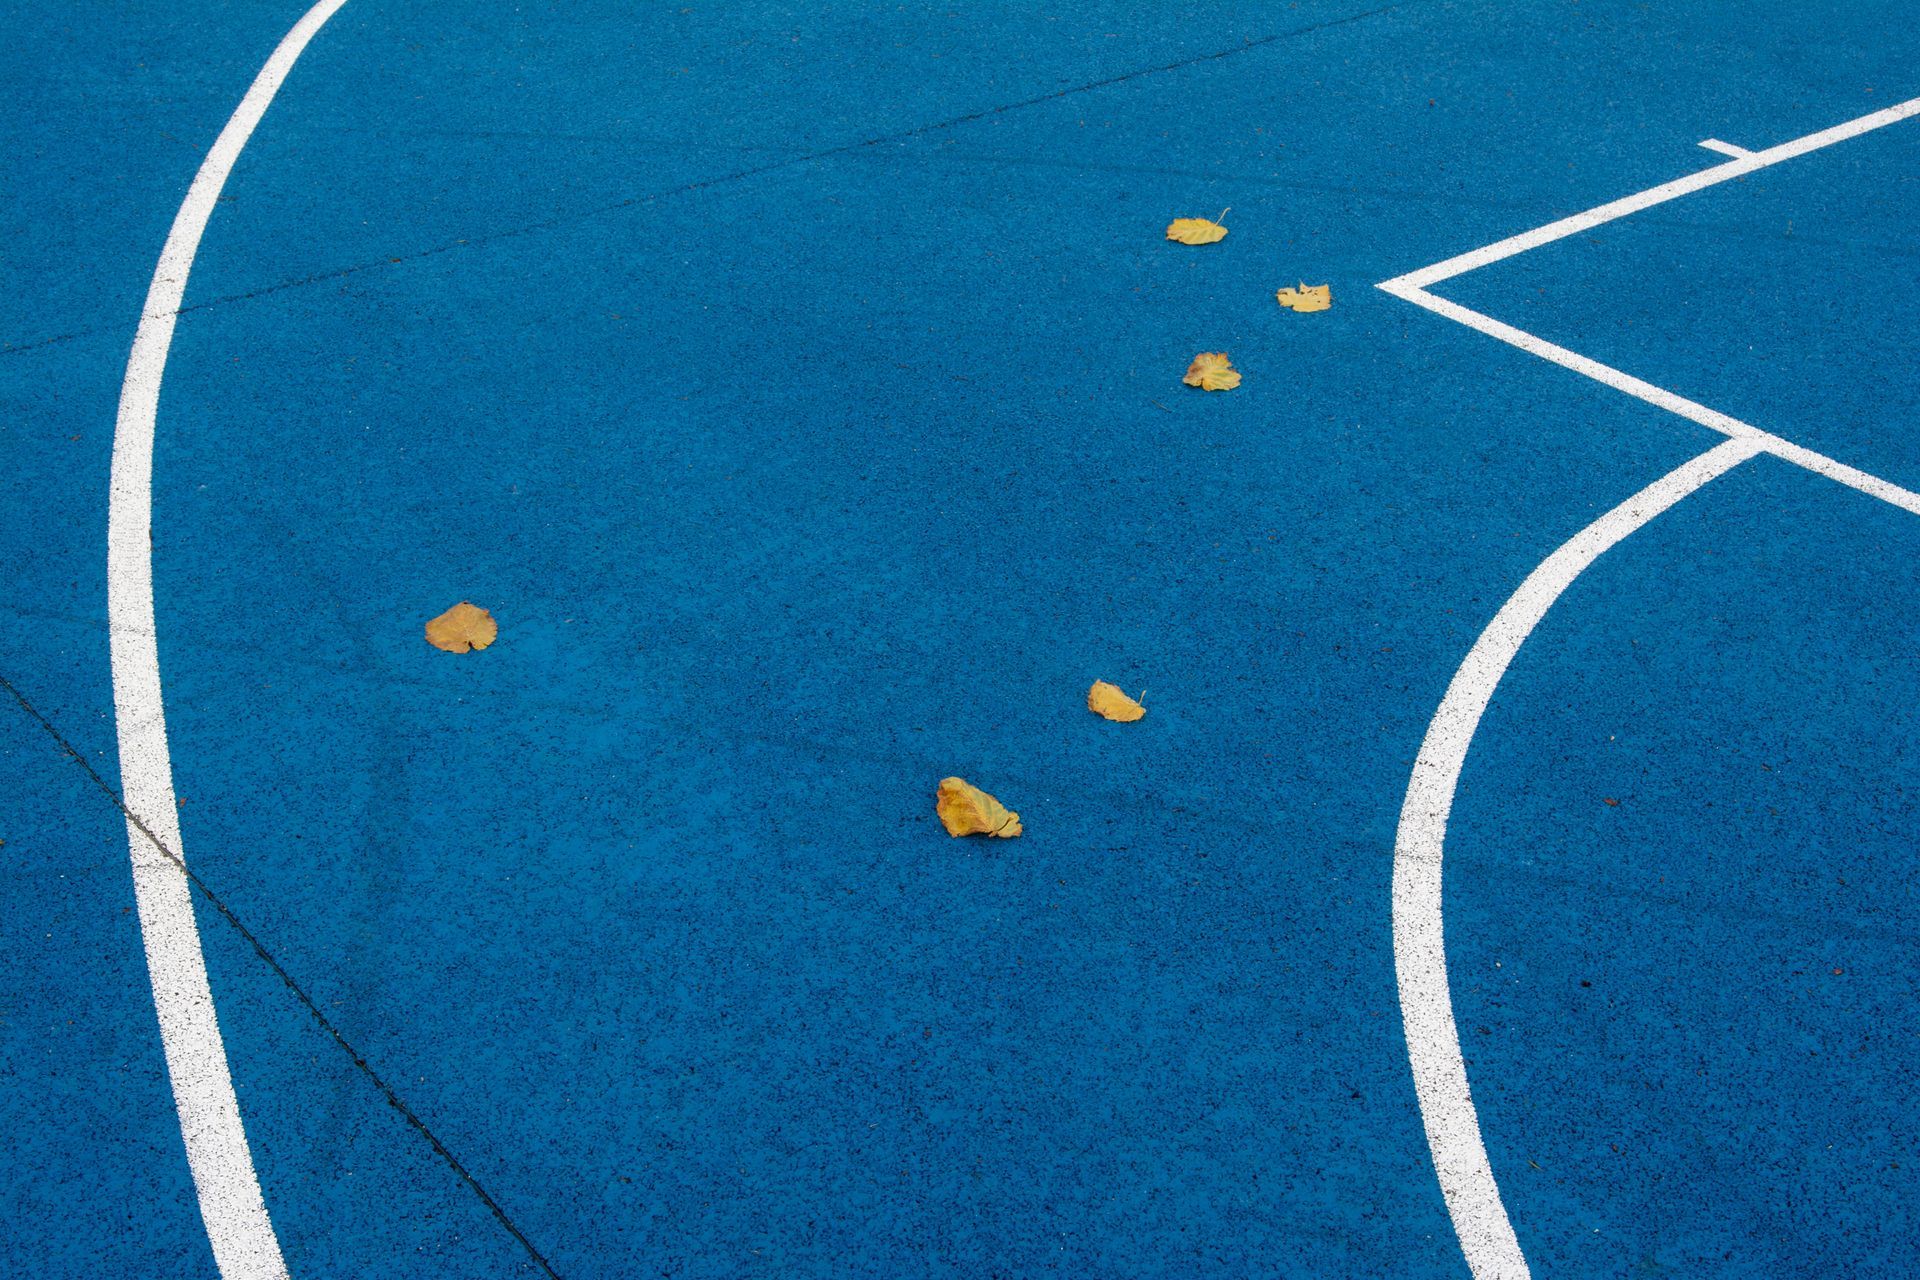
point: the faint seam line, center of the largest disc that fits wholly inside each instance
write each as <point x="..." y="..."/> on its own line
<point x="598" y="211"/>
<point x="953" y="159"/>
<point x="1459" y="1153"/>
<point x="312" y="1006"/>
<point x="231" y="1205"/>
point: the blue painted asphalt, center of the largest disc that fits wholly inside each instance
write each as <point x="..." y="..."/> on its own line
<point x="798" y="481"/>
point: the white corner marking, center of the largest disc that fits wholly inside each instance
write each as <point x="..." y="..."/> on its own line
<point x="1467" y="1183"/>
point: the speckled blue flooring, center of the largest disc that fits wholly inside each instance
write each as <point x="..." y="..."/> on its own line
<point x="801" y="391"/>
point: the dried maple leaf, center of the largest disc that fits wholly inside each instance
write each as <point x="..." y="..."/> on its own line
<point x="461" y="628"/>
<point x="1196" y="230"/>
<point x="966" y="810"/>
<point x="1317" y="297"/>
<point x="1106" y="700"/>
<point x="1211" y="371"/>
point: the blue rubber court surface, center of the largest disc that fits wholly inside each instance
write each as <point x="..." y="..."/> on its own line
<point x="1514" y="872"/>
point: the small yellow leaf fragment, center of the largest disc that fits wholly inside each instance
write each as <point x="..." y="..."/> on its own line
<point x="461" y="628"/>
<point x="966" y="810"/>
<point x="1212" y="371"/>
<point x="1316" y="297"/>
<point x="1195" y="231"/>
<point x="1106" y="700"/>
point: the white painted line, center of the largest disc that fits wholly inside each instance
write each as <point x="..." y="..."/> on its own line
<point x="1885" y="490"/>
<point x="1725" y="148"/>
<point x="1620" y="208"/>
<point x="1660" y="397"/>
<point x="231" y="1206"/>
<point x="1573" y="360"/>
<point x="1419" y="940"/>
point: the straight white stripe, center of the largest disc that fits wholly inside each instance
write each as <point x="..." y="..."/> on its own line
<point x="1725" y="148"/>
<point x="244" y="1245"/>
<point x="1885" y="490"/>
<point x="1692" y="410"/>
<point x="1655" y="195"/>
<point x="1573" y="360"/>
<point x="1419" y="938"/>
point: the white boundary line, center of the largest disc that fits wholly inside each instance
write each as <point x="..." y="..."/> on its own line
<point x="1419" y="941"/>
<point x="1459" y="1154"/>
<point x="1666" y="191"/>
<point x="1660" y="397"/>
<point x="1725" y="148"/>
<point x="231" y="1206"/>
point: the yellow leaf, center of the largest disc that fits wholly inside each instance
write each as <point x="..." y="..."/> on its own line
<point x="966" y="810"/>
<point x="1211" y="371"/>
<point x="1196" y="230"/>
<point x="1107" y="700"/>
<point x="1307" y="297"/>
<point x="461" y="628"/>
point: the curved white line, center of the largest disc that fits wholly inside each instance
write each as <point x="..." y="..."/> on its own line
<point x="1419" y="939"/>
<point x="244" y="1246"/>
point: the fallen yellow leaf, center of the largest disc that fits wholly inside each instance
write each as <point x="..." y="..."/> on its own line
<point x="966" y="810"/>
<point x="1107" y="700"/>
<point x="1196" y="230"/>
<point x="1307" y="297"/>
<point x="461" y="628"/>
<point x="1211" y="371"/>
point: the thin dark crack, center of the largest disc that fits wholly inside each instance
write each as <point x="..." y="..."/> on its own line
<point x="299" y="993"/>
<point x="599" y="211"/>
